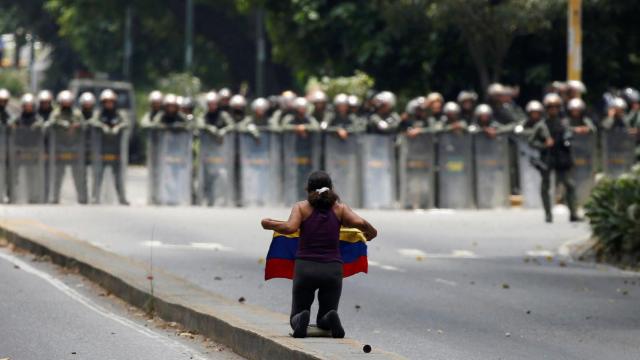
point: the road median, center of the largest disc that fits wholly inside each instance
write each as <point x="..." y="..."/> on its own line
<point x="250" y="331"/>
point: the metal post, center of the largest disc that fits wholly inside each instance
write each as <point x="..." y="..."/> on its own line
<point x="260" y="51"/>
<point x="188" y="50"/>
<point x="128" y="45"/>
<point x="574" y="40"/>
<point x="33" y="81"/>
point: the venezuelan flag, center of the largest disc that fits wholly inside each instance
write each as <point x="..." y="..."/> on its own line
<point x="282" y="254"/>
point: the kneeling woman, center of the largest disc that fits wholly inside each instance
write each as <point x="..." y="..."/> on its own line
<point x="318" y="263"/>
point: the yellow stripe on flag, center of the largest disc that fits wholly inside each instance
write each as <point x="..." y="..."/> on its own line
<point x="346" y="234"/>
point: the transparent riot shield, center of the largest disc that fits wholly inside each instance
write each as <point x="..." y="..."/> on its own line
<point x="171" y="162"/>
<point x="216" y="170"/>
<point x="109" y="159"/>
<point x="67" y="155"/>
<point x="26" y="166"/>
<point x="3" y="163"/>
<point x="618" y="151"/>
<point x="342" y="163"/>
<point x="491" y="164"/>
<point x="530" y="178"/>
<point x="260" y="169"/>
<point x="301" y="157"/>
<point x="583" y="147"/>
<point x="378" y="171"/>
<point x="455" y="175"/>
<point x="417" y="172"/>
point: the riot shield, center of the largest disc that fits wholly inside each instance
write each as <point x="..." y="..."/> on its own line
<point x="301" y="157"/>
<point x="260" y="169"/>
<point x="618" y="150"/>
<point x="109" y="159"/>
<point x="26" y="166"/>
<point x="216" y="170"/>
<point x="455" y="175"/>
<point x="3" y="163"/>
<point x="530" y="178"/>
<point x="170" y="161"/>
<point x="67" y="152"/>
<point x="341" y="162"/>
<point x="378" y="171"/>
<point x="492" y="176"/>
<point x="417" y="172"/>
<point x="583" y="147"/>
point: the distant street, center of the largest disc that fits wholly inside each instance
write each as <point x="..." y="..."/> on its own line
<point x="442" y="284"/>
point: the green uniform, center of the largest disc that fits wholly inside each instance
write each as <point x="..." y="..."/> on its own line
<point x="291" y="121"/>
<point x="557" y="159"/>
<point x="112" y="125"/>
<point x="217" y="123"/>
<point x="349" y="122"/>
<point x="392" y="121"/>
<point x="68" y="123"/>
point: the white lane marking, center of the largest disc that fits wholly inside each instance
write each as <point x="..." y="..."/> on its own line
<point x="412" y="253"/>
<point x="441" y="211"/>
<point x="383" y="267"/>
<point x="466" y="254"/>
<point x="540" y="253"/>
<point x="193" y="245"/>
<point x="65" y="289"/>
<point x="454" y="254"/>
<point x="446" y="282"/>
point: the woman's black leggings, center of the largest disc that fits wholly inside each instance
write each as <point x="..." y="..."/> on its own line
<point x="310" y="276"/>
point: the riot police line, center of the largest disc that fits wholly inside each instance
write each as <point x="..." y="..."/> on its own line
<point x="436" y="154"/>
<point x="45" y="145"/>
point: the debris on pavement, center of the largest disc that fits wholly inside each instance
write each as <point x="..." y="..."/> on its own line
<point x="366" y="348"/>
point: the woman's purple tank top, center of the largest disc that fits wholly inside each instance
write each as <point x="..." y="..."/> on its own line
<point x="320" y="237"/>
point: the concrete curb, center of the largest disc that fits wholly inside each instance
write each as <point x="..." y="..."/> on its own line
<point x="250" y="331"/>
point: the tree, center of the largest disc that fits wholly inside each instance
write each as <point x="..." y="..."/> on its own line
<point x="490" y="27"/>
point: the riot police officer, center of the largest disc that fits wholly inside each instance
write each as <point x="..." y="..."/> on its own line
<point x="237" y="108"/>
<point x="467" y="101"/>
<point x="155" y="106"/>
<point x="483" y="116"/>
<point x="5" y="116"/>
<point x="187" y="107"/>
<point x="285" y="106"/>
<point x="575" y="89"/>
<point x="384" y="120"/>
<point x="576" y="117"/>
<point x="355" y="105"/>
<point x="616" y="116"/>
<point x="87" y="105"/>
<point x="535" y="113"/>
<point x="301" y="121"/>
<point x="259" y="119"/>
<point x="26" y="151"/>
<point x="170" y="116"/>
<point x="215" y="121"/>
<point x="452" y="121"/>
<point x="417" y="121"/>
<point x="552" y="138"/>
<point x="341" y="120"/>
<point x="45" y="104"/>
<point x="224" y="97"/>
<point x="108" y="129"/>
<point x="434" y="104"/>
<point x="67" y="146"/>
<point x="319" y="100"/>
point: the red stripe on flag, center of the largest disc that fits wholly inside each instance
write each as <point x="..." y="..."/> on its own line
<point x="279" y="268"/>
<point x="358" y="266"/>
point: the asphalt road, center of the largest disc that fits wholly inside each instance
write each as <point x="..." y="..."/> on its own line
<point x="442" y="284"/>
<point x="47" y="313"/>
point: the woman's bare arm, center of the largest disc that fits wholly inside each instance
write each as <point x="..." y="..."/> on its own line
<point x="285" y="227"/>
<point x="351" y="219"/>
